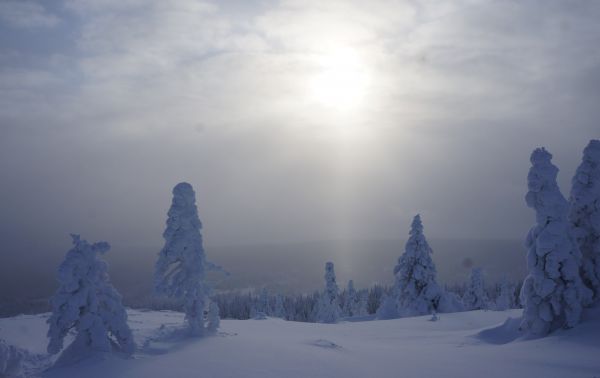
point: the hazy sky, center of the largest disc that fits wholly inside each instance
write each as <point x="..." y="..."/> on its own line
<point x="294" y="120"/>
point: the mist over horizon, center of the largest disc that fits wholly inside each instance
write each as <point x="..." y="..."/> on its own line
<point x="291" y="268"/>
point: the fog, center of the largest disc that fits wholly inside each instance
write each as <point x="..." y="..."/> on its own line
<point x="285" y="268"/>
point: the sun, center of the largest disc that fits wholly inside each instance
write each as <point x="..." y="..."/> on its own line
<point x="340" y="81"/>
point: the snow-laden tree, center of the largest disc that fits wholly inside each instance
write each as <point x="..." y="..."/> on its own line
<point x="361" y="308"/>
<point x="355" y="303"/>
<point x="388" y="306"/>
<point x="87" y="303"/>
<point x="263" y="302"/>
<point x="553" y="293"/>
<point x="350" y="299"/>
<point x="11" y="360"/>
<point x="505" y="296"/>
<point x="475" y="297"/>
<point x="328" y="307"/>
<point x="261" y="307"/>
<point x="450" y="302"/>
<point x="584" y="214"/>
<point x="279" y="309"/>
<point x="415" y="286"/>
<point x="181" y="268"/>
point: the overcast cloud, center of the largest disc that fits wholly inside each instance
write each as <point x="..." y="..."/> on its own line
<point x="106" y="105"/>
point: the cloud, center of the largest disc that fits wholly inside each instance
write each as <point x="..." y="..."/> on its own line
<point x="26" y="14"/>
<point x="316" y="26"/>
<point x="459" y="92"/>
<point x="135" y="39"/>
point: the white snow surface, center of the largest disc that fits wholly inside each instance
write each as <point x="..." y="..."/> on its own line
<point x="467" y="344"/>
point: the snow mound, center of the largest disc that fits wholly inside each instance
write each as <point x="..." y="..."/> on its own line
<point x="502" y="334"/>
<point x="165" y="339"/>
<point x="259" y="316"/>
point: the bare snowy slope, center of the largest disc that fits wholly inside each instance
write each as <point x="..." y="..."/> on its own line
<point x="468" y="344"/>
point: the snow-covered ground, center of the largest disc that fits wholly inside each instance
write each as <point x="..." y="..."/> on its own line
<point x="467" y="344"/>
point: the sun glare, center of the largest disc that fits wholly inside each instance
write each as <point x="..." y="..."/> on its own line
<point x="341" y="80"/>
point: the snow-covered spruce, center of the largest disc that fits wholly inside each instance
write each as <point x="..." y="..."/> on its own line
<point x="87" y="302"/>
<point x="475" y="297"/>
<point x="279" y="309"/>
<point x="505" y="296"/>
<point x="415" y="290"/>
<point x="350" y="298"/>
<point x="303" y="307"/>
<point x="263" y="303"/>
<point x="355" y="303"/>
<point x="181" y="268"/>
<point x="450" y="302"/>
<point x="553" y="293"/>
<point x="388" y="306"/>
<point x="363" y="302"/>
<point x="11" y="359"/>
<point x="584" y="214"/>
<point x="328" y="307"/>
